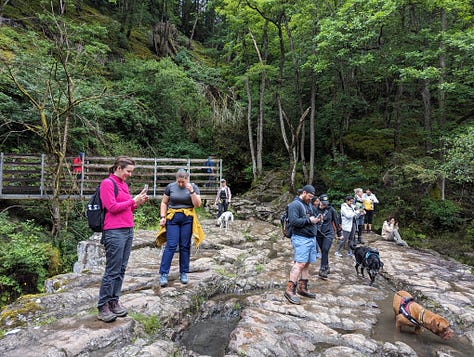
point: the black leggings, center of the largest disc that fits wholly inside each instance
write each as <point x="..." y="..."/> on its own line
<point x="324" y="244"/>
<point x="368" y="217"/>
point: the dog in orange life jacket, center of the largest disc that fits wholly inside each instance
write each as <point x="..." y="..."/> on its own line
<point x="409" y="313"/>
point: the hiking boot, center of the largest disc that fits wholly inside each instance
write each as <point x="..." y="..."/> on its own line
<point x="290" y="293"/>
<point x="184" y="278"/>
<point x="117" y="309"/>
<point x="337" y="254"/>
<point x="105" y="314"/>
<point x="323" y="273"/>
<point x="164" y="280"/>
<point x="303" y="289"/>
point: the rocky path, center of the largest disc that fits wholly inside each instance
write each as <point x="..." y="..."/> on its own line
<point x="243" y="272"/>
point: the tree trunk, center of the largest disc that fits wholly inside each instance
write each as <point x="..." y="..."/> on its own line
<point x="164" y="36"/>
<point x="427" y="110"/>
<point x="442" y="94"/>
<point x="397" y="124"/>
<point x="191" y="36"/>
<point x="296" y="66"/>
<point x="311" y="129"/>
<point x="249" y="127"/>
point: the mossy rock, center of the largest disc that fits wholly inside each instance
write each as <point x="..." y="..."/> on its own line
<point x="19" y="313"/>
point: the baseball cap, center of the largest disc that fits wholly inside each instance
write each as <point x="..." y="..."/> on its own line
<point x="309" y="189"/>
<point x="348" y="197"/>
<point x="324" y="198"/>
<point x="223" y="180"/>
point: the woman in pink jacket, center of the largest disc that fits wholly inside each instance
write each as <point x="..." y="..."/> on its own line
<point x="117" y="236"/>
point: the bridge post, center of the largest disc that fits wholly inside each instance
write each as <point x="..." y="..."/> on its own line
<point x="42" y="175"/>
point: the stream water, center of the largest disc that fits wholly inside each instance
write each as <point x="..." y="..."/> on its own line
<point x="425" y="344"/>
<point x="210" y="335"/>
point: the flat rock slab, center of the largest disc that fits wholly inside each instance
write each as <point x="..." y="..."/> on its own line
<point x="246" y="269"/>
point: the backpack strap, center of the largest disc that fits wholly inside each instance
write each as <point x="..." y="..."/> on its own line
<point x="115" y="187"/>
<point x="115" y="193"/>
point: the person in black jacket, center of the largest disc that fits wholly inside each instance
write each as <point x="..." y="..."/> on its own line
<point x="303" y="239"/>
<point x="325" y="231"/>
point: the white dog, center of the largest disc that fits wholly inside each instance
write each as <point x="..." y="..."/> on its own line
<point x="224" y="219"/>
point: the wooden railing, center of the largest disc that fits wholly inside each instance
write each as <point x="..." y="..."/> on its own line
<point x="30" y="176"/>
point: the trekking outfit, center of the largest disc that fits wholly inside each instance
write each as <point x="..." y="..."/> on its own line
<point x="303" y="240"/>
<point x="77" y="166"/>
<point x="390" y="232"/>
<point x="368" y="202"/>
<point x="210" y="170"/>
<point x="117" y="238"/>
<point x="348" y="223"/>
<point x="325" y="235"/>
<point x="179" y="230"/>
<point x="223" y="199"/>
<point x="359" y="222"/>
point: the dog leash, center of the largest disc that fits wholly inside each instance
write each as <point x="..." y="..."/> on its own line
<point x="404" y="310"/>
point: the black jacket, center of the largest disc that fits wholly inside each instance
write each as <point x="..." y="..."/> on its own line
<point x="298" y="216"/>
<point x="331" y="219"/>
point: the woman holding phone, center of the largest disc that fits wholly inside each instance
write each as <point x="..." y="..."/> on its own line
<point x="117" y="235"/>
<point x="178" y="219"/>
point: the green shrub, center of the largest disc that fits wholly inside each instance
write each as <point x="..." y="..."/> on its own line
<point x="441" y="214"/>
<point x="148" y="216"/>
<point x="27" y="258"/>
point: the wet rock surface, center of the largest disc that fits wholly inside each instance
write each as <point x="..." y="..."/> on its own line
<point x="240" y="275"/>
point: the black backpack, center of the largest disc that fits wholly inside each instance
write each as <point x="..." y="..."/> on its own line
<point x="286" y="227"/>
<point x="94" y="212"/>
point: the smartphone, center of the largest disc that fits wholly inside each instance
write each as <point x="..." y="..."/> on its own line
<point x="145" y="188"/>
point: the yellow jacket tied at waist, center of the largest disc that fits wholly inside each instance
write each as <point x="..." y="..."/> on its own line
<point x="198" y="233"/>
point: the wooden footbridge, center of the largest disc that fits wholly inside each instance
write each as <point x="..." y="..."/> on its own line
<point x="30" y="176"/>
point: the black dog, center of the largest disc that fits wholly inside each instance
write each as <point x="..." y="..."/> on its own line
<point x="368" y="258"/>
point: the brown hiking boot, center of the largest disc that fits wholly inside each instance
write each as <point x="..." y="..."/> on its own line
<point x="290" y="293"/>
<point x="117" y="309"/>
<point x="105" y="314"/>
<point x="303" y="289"/>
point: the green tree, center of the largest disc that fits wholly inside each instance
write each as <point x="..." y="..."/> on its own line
<point x="52" y="90"/>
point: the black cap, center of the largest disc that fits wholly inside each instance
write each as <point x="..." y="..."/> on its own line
<point x="309" y="189"/>
<point x="324" y="198"/>
<point x="348" y="198"/>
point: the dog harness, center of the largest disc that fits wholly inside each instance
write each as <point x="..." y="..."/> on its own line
<point x="405" y="311"/>
<point x="369" y="253"/>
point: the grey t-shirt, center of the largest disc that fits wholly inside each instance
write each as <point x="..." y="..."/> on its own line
<point x="179" y="197"/>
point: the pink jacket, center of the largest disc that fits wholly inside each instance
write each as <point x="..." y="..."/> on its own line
<point x="119" y="210"/>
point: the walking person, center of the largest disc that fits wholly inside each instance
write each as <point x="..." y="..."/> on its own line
<point x="303" y="240"/>
<point x="223" y="198"/>
<point x="77" y="166"/>
<point x="117" y="235"/>
<point x="178" y="223"/>
<point x="315" y="201"/>
<point x="326" y="227"/>
<point x="359" y="206"/>
<point x="369" y="201"/>
<point x="210" y="170"/>
<point x="348" y="222"/>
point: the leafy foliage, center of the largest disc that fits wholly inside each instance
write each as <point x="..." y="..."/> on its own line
<point x="459" y="159"/>
<point x="441" y="214"/>
<point x="27" y="258"/>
